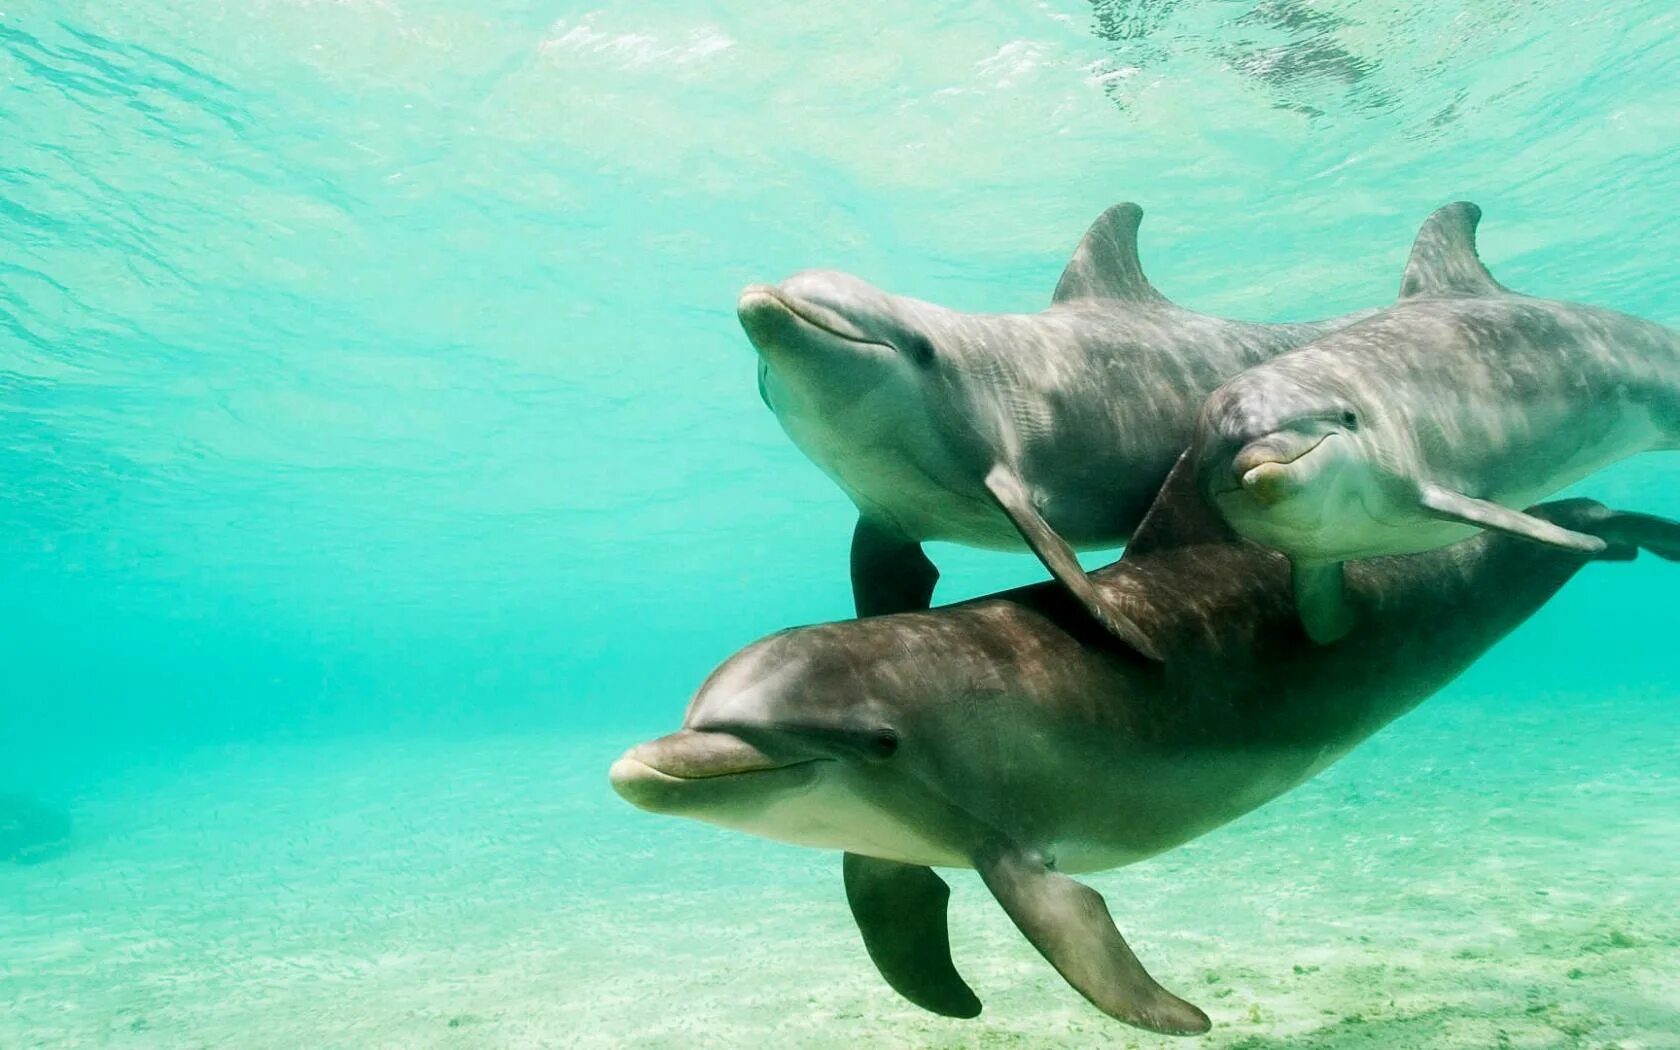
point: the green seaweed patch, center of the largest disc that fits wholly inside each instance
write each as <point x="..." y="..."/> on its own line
<point x="1613" y="940"/>
<point x="1574" y="1023"/>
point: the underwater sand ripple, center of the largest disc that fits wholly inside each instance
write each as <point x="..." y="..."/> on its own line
<point x="495" y="894"/>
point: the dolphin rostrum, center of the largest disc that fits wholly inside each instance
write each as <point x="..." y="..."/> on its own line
<point x="1007" y="734"/>
<point x="1432" y="419"/>
<point x="1051" y="430"/>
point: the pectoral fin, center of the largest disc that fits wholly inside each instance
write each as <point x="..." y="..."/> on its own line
<point x="1624" y="532"/>
<point x="900" y="910"/>
<point x="1070" y="925"/>
<point x="1660" y="536"/>
<point x="1321" y="601"/>
<point x="1467" y="510"/>
<point x="890" y="572"/>
<point x="1011" y="495"/>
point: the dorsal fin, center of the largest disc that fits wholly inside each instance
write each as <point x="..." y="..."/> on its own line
<point x="1444" y="260"/>
<point x="1105" y="265"/>
<point x="1180" y="516"/>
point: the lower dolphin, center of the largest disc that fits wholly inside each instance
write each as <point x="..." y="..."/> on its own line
<point x="1010" y="735"/>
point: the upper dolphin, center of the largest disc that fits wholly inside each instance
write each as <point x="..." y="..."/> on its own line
<point x="1432" y="419"/>
<point x="996" y="735"/>
<point x="1052" y="430"/>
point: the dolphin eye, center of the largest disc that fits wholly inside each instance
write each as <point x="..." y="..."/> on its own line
<point x="919" y="349"/>
<point x="1350" y="420"/>
<point x="884" y="744"/>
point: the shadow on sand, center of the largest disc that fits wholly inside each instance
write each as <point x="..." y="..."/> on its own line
<point x="30" y="830"/>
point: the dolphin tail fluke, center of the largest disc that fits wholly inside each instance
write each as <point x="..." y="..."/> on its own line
<point x="900" y="910"/>
<point x="1012" y="498"/>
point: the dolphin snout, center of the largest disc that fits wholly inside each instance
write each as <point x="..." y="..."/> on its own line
<point x="1276" y="449"/>
<point x="694" y="754"/>
<point x="763" y="315"/>
<point x="679" y="769"/>
<point x="799" y="312"/>
<point x="1262" y="467"/>
<point x="1268" y="483"/>
<point x="1259" y="468"/>
<point x="754" y="298"/>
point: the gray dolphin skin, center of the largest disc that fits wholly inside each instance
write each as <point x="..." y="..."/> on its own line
<point x="1011" y="735"/>
<point x="30" y="830"/>
<point x="1432" y="419"/>
<point x="1050" y="431"/>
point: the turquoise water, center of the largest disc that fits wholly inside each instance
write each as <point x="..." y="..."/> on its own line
<point x="380" y="455"/>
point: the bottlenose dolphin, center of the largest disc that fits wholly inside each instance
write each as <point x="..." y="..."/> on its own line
<point x="30" y="830"/>
<point x="1010" y="735"/>
<point x="1433" y="419"/>
<point x="1051" y="430"/>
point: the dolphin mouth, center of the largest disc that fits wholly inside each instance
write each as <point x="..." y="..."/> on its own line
<point x="1266" y="469"/>
<point x="628" y="768"/>
<point x="663" y="775"/>
<point x="759" y="301"/>
<point x="1270" y="451"/>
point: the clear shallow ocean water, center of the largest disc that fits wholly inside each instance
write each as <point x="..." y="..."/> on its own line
<point x="380" y="455"/>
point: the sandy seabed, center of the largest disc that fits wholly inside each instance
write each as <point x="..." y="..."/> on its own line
<point x="1481" y="875"/>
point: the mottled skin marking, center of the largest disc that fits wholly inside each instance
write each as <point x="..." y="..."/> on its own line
<point x="909" y="406"/>
<point x="1415" y="427"/>
<point x="1010" y="735"/>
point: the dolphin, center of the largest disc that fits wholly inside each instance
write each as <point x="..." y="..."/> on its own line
<point x="1012" y="735"/>
<point x="1432" y="419"/>
<point x="1050" y="430"/>
<point x="30" y="830"/>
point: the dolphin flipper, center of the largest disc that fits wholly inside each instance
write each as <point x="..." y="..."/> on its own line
<point x="1070" y="925"/>
<point x="1011" y="494"/>
<point x="1467" y="510"/>
<point x="890" y="573"/>
<point x="1321" y="601"/>
<point x="1660" y="536"/>
<point x="900" y="910"/>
